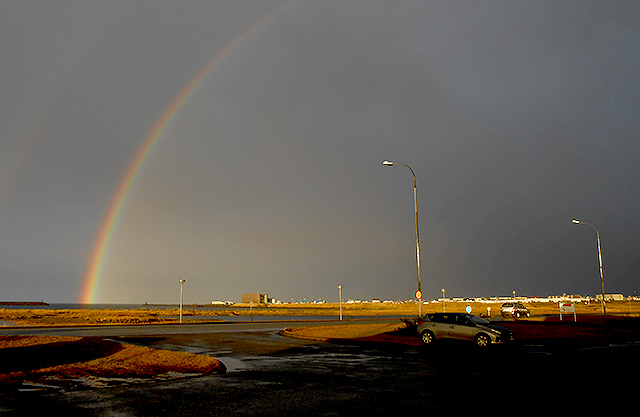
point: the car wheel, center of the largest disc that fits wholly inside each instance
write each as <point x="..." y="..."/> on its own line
<point x="427" y="337"/>
<point x="483" y="340"/>
<point x="517" y="314"/>
<point x="528" y="314"/>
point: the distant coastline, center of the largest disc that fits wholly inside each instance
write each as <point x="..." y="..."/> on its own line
<point x="23" y="303"/>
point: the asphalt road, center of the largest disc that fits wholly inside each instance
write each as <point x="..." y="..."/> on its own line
<point x="272" y="375"/>
<point x="175" y="328"/>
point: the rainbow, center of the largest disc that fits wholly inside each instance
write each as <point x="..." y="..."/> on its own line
<point x="95" y="265"/>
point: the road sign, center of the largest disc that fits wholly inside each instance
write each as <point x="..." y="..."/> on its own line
<point x="567" y="307"/>
<point x="468" y="309"/>
<point x="419" y="294"/>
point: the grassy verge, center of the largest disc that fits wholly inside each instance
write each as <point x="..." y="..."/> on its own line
<point x="41" y="358"/>
<point x="348" y="331"/>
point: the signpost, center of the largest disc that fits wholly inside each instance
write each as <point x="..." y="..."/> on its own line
<point x="567" y="307"/>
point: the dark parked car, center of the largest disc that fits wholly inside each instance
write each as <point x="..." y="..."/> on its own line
<point x="514" y="309"/>
<point x="462" y="327"/>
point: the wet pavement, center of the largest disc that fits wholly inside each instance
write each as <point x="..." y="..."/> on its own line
<point x="272" y="375"/>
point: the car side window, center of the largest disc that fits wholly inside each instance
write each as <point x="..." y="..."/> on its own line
<point x="449" y="318"/>
<point x="462" y="321"/>
<point x="438" y="318"/>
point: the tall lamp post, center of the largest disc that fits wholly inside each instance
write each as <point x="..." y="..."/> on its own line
<point x="604" y="309"/>
<point x="182" y="281"/>
<point x="415" y="203"/>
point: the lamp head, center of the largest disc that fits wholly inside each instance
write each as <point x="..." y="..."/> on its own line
<point x="575" y="221"/>
<point x="387" y="163"/>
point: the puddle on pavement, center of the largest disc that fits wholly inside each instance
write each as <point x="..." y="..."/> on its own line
<point x="232" y="364"/>
<point x="311" y="360"/>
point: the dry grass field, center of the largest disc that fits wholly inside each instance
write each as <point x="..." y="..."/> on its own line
<point x="83" y="317"/>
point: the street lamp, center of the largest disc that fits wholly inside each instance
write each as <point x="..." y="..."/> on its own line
<point x="415" y="203"/>
<point x="604" y="309"/>
<point x="182" y="281"/>
<point x="444" y="305"/>
<point x="340" y="292"/>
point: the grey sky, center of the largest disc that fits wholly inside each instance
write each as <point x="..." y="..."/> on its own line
<point x="516" y="116"/>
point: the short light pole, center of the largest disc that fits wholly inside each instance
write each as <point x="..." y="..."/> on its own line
<point x="415" y="204"/>
<point x="514" y="294"/>
<point x="444" y="303"/>
<point x="604" y="309"/>
<point x="182" y="281"/>
<point x="340" y="293"/>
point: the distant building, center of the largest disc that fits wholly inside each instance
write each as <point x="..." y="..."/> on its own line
<point x="610" y="297"/>
<point x="221" y="303"/>
<point x="255" y="298"/>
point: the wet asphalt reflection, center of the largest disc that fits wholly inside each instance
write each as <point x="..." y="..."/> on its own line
<point x="261" y="351"/>
<point x="272" y="375"/>
<point x="268" y="373"/>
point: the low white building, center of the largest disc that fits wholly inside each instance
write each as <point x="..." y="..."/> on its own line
<point x="610" y="297"/>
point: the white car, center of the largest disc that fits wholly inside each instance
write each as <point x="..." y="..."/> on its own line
<point x="514" y="309"/>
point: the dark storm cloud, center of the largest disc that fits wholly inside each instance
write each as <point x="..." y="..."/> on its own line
<point x="515" y="116"/>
